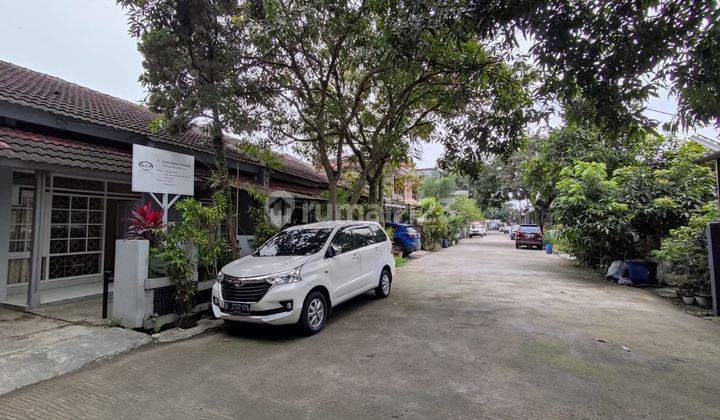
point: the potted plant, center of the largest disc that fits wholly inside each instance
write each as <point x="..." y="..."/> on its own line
<point x="688" y="293"/>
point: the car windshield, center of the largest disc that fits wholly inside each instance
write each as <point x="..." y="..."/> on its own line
<point x="295" y="242"/>
<point x="530" y="229"/>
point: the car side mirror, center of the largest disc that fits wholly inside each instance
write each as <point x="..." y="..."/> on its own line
<point x="333" y="250"/>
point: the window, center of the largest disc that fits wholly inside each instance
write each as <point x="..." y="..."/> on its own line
<point x="529" y="229"/>
<point x="363" y="236"/>
<point x="344" y="239"/>
<point x="379" y="234"/>
<point x="76" y="235"/>
<point x="295" y="242"/>
<point x="21" y="224"/>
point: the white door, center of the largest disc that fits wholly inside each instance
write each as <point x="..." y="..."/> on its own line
<point x="369" y="256"/>
<point x="345" y="268"/>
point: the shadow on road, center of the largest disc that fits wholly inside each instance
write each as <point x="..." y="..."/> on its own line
<point x="283" y="333"/>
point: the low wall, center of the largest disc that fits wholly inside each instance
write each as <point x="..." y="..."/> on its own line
<point x="142" y="302"/>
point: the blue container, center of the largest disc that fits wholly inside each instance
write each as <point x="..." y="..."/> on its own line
<point x="445" y="243"/>
<point x="548" y="248"/>
<point x="638" y="272"/>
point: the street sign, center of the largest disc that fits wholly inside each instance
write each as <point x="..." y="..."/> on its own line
<point x="160" y="171"/>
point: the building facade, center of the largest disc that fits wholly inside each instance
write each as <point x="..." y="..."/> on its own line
<point x="65" y="183"/>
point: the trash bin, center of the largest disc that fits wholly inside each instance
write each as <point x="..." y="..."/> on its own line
<point x="548" y="248"/>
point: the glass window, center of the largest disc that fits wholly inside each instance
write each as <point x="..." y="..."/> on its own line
<point x="363" y="236"/>
<point x="295" y="242"/>
<point x="344" y="239"/>
<point x="379" y="234"/>
<point x="530" y="229"/>
<point x="21" y="224"/>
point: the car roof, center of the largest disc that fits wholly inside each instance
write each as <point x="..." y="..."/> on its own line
<point x="531" y="225"/>
<point x="331" y="224"/>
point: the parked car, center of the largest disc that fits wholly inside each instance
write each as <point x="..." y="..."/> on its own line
<point x="511" y="231"/>
<point x="298" y="275"/>
<point x="529" y="236"/>
<point x="477" y="229"/>
<point x="406" y="238"/>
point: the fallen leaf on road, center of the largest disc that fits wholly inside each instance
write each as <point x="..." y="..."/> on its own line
<point x="600" y="340"/>
<point x="625" y="348"/>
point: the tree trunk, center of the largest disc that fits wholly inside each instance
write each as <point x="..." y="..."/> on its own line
<point x="332" y="191"/>
<point x="224" y="179"/>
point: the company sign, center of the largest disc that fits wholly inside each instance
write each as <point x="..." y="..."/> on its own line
<point x="161" y="171"/>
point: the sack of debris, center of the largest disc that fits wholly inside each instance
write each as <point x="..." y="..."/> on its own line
<point x="617" y="270"/>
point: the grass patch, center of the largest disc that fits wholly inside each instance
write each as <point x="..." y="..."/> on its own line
<point x="399" y="261"/>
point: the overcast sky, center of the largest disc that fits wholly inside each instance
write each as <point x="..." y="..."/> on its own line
<point x="86" y="42"/>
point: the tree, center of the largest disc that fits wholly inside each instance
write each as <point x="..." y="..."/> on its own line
<point x="625" y="214"/>
<point x="614" y="54"/>
<point x="193" y="70"/>
<point x="315" y="56"/>
<point x="438" y="186"/>
<point x="544" y="157"/>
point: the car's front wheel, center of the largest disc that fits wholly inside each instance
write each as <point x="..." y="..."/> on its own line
<point x="383" y="289"/>
<point x="314" y="314"/>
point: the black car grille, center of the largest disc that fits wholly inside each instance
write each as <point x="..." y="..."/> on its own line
<point x="243" y="292"/>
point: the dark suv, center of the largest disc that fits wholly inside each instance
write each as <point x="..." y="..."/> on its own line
<point x="529" y="236"/>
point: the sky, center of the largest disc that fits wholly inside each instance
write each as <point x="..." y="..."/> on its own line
<point x="87" y="42"/>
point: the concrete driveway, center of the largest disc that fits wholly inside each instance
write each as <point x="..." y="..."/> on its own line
<point x="476" y="330"/>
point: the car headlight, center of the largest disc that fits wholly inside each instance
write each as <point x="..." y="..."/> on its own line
<point x="220" y="276"/>
<point x="290" y="276"/>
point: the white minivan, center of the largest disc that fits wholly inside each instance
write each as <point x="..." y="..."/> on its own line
<point x="298" y="275"/>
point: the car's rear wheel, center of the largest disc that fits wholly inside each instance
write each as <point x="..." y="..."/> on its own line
<point x="517" y="246"/>
<point x="383" y="289"/>
<point x="314" y="313"/>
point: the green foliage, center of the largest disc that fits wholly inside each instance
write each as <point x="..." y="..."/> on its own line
<point x="593" y="223"/>
<point x="686" y="247"/>
<point x="399" y="261"/>
<point x="195" y="239"/>
<point x="434" y="222"/>
<point x="264" y="228"/>
<point x="466" y="210"/>
<point x="437" y="186"/>
<point x="506" y="212"/>
<point x="604" y="218"/>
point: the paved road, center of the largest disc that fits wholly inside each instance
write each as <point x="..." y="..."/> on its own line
<point x="476" y="330"/>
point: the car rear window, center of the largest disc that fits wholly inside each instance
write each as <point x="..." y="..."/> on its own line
<point x="530" y="229"/>
<point x="411" y="230"/>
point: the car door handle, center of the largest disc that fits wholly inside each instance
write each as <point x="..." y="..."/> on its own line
<point x="377" y="248"/>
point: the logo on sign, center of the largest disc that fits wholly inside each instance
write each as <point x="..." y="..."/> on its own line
<point x="145" y="165"/>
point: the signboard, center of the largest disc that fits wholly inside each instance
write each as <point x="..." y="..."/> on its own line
<point x="161" y="171"/>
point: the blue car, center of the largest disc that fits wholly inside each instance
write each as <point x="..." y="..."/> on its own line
<point x="405" y="238"/>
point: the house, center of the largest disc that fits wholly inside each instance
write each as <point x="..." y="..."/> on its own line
<point x="65" y="183"/>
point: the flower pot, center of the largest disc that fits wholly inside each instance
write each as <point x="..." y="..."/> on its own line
<point x="689" y="300"/>
<point x="704" y="300"/>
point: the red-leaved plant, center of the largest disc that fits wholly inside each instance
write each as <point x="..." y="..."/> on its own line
<point x="146" y="223"/>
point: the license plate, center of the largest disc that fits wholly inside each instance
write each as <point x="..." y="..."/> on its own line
<point x="237" y="308"/>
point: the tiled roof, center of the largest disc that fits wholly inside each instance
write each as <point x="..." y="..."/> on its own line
<point x="35" y="90"/>
<point x="38" y="148"/>
<point x="40" y="91"/>
<point x="295" y="166"/>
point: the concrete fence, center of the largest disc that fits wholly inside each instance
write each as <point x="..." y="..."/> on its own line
<point x="143" y="302"/>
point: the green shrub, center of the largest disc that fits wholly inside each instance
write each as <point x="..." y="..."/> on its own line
<point x="686" y="247"/>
